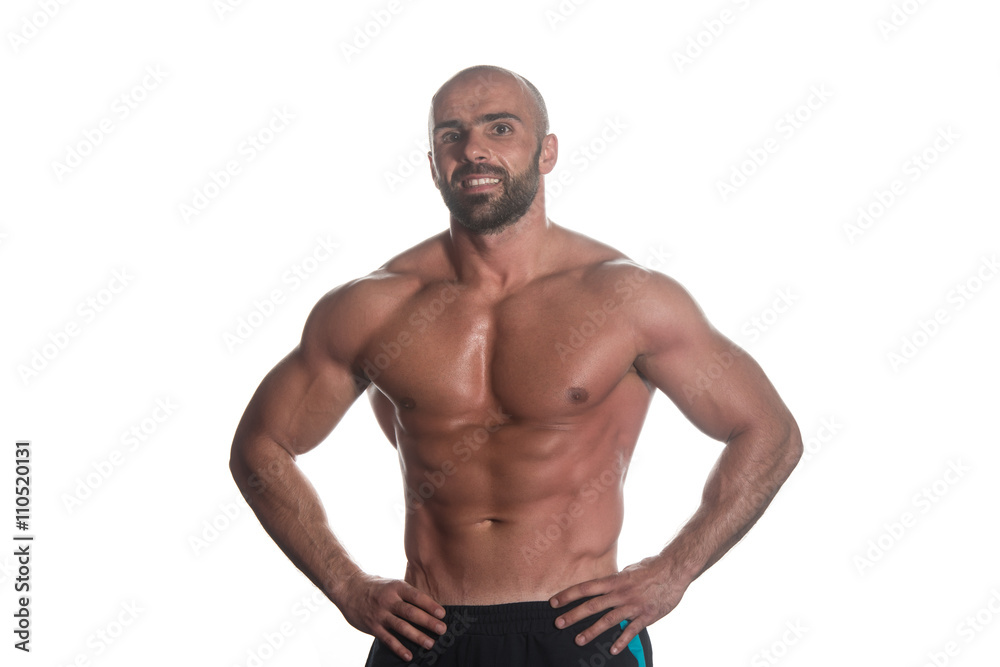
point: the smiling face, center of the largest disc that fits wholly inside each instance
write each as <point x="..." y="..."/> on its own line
<point x="487" y="138"/>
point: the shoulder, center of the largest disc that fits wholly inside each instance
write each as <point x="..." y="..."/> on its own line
<point x="658" y="309"/>
<point x="346" y="317"/>
<point x="604" y="267"/>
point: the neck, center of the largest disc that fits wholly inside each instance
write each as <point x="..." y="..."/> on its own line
<point x="507" y="259"/>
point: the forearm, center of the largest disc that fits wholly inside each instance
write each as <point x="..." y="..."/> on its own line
<point x="290" y="510"/>
<point x="745" y="479"/>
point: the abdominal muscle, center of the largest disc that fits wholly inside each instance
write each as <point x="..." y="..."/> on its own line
<point x="529" y="513"/>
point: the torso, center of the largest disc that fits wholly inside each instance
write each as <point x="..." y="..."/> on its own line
<point x="514" y="417"/>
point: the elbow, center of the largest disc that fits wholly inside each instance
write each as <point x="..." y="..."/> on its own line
<point x="237" y="465"/>
<point x="256" y="463"/>
<point x="792" y="447"/>
<point x="240" y="467"/>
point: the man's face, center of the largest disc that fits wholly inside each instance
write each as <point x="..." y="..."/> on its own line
<point x="485" y="151"/>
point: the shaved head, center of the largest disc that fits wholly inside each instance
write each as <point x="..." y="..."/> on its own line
<point x="487" y="76"/>
<point x="487" y="130"/>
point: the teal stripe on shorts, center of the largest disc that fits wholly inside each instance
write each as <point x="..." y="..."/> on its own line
<point x="636" y="647"/>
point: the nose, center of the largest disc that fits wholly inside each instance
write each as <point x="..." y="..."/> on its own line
<point x="475" y="148"/>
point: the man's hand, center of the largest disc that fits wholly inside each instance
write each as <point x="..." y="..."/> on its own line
<point x="378" y="607"/>
<point x="640" y="594"/>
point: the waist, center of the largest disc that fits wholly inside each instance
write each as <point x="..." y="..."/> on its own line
<point x="507" y="618"/>
<point x="486" y="571"/>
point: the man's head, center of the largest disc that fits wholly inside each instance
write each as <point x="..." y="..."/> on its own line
<point x="489" y="146"/>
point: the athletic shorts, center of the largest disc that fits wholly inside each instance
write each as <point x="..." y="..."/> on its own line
<point x="519" y="634"/>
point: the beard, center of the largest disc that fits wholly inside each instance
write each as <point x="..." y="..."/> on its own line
<point x="488" y="212"/>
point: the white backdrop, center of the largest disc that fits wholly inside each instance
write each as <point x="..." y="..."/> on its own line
<point x="182" y="181"/>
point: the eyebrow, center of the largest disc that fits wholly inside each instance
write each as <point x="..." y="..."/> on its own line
<point x="485" y="118"/>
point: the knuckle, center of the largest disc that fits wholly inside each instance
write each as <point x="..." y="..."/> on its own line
<point x="399" y="625"/>
<point x="386" y="638"/>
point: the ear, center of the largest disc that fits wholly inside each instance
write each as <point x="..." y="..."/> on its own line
<point x="549" y="155"/>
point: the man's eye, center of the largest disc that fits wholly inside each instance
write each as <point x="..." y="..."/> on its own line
<point x="503" y="129"/>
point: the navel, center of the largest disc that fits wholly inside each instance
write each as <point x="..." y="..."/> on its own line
<point x="577" y="394"/>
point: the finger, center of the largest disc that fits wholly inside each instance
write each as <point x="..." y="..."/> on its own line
<point x="393" y="644"/>
<point x="585" y="610"/>
<point x="422" y="600"/>
<point x="419" y="617"/>
<point x="406" y="630"/>
<point x="611" y="619"/>
<point x="582" y="590"/>
<point x="632" y="629"/>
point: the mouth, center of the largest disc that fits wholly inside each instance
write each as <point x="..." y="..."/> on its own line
<point x="479" y="184"/>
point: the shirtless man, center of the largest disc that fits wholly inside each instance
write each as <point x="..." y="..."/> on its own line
<point x="511" y="363"/>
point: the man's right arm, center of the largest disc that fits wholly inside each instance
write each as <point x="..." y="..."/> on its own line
<point x="295" y="408"/>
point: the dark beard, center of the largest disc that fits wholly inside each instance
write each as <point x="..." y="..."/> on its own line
<point x="477" y="212"/>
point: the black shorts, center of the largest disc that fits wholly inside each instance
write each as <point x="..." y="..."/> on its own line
<point x="520" y="634"/>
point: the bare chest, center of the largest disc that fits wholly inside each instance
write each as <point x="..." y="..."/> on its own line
<point x="544" y="355"/>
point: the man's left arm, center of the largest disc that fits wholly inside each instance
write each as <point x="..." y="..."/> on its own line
<point x="727" y="396"/>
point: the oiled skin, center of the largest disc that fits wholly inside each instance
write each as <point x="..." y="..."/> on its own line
<point x="514" y="444"/>
<point x="512" y="372"/>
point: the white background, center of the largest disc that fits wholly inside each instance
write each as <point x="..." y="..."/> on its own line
<point x="166" y="534"/>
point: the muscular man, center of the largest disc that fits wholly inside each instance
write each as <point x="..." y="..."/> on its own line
<point x="511" y="362"/>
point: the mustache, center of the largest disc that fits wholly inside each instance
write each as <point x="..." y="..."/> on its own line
<point x="462" y="173"/>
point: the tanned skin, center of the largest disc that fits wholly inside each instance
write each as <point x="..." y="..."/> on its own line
<point x="502" y="418"/>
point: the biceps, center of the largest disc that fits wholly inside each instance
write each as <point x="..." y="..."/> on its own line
<point x="714" y="382"/>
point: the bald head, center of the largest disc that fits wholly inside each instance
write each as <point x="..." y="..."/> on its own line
<point x="479" y="81"/>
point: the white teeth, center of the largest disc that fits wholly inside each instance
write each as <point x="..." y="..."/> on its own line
<point x="471" y="183"/>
